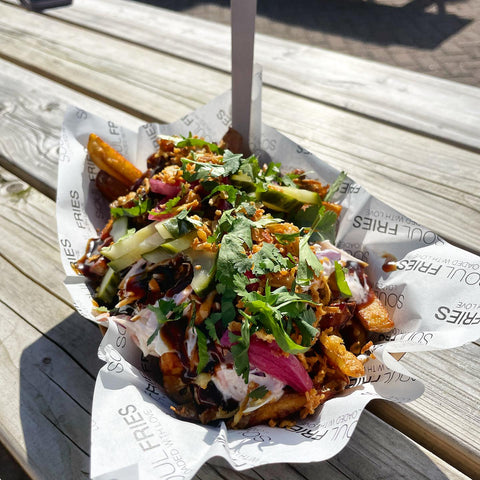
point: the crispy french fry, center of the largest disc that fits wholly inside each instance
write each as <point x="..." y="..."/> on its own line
<point x="334" y="207"/>
<point x="289" y="403"/>
<point x="336" y="352"/>
<point x="112" y="162"/>
<point x="374" y="316"/>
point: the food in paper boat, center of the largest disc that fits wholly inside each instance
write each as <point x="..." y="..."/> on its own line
<point x="226" y="271"/>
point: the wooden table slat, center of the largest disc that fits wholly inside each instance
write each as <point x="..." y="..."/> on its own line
<point x="397" y="96"/>
<point x="45" y="370"/>
<point x="385" y="160"/>
<point x="112" y="67"/>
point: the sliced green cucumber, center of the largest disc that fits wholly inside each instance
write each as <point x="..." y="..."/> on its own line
<point x="243" y="181"/>
<point x="173" y="228"/>
<point x="163" y="231"/>
<point x="119" y="228"/>
<point x="204" y="264"/>
<point x="180" y="244"/>
<point x="108" y="288"/>
<point x="127" y="244"/>
<point x="170" y="249"/>
<point x="287" y="199"/>
<point x="121" y="263"/>
<point x="157" y="255"/>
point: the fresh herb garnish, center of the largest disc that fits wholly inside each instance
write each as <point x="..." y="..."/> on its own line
<point x="167" y="207"/>
<point x="181" y="224"/>
<point x="341" y="281"/>
<point x="258" y="393"/>
<point x="210" y="324"/>
<point x="139" y="208"/>
<point x="309" y="265"/>
<point x="203" y="357"/>
<point x="305" y="322"/>
<point x="269" y="259"/>
<point x="165" y="311"/>
<point x="269" y="311"/>
<point x="239" y="349"/>
<point x="229" y="166"/>
<point x="198" y="142"/>
<point x="285" y="238"/>
<point x="335" y="186"/>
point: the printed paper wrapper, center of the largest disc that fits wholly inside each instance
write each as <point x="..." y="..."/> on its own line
<point x="432" y="297"/>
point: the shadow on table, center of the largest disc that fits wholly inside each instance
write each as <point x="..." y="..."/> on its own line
<point x="57" y="378"/>
<point x="423" y="24"/>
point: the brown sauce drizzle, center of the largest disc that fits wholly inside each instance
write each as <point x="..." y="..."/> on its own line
<point x="390" y="263"/>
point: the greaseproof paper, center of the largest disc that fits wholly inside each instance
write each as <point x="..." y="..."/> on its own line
<point x="432" y="296"/>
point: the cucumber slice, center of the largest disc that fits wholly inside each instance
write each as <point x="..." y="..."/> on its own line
<point x="119" y="228"/>
<point x="127" y="244"/>
<point x="163" y="232"/>
<point x="157" y="255"/>
<point x="173" y="228"/>
<point x="149" y="244"/>
<point x="108" y="288"/>
<point x="203" y="277"/>
<point x="123" y="262"/>
<point x="170" y="249"/>
<point x="180" y="244"/>
<point x="288" y="199"/>
<point x="243" y="181"/>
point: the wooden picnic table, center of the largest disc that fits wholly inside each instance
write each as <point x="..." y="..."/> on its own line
<point x="411" y="140"/>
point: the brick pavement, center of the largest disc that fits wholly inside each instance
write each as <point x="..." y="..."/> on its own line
<point x="436" y="37"/>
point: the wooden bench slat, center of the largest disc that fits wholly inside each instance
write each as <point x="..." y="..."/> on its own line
<point x="48" y="359"/>
<point x="451" y="379"/>
<point x="74" y="340"/>
<point x="20" y="237"/>
<point x="412" y="100"/>
<point x="39" y="419"/>
<point x="387" y="161"/>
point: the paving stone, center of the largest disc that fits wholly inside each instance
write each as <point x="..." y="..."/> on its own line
<point x="411" y="34"/>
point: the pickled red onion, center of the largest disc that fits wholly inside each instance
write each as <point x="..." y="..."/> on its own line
<point x="157" y="186"/>
<point x="269" y="358"/>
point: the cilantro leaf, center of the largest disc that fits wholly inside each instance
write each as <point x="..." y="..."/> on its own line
<point x="326" y="227"/>
<point x="335" y="186"/>
<point x="167" y="207"/>
<point x="231" y="191"/>
<point x="210" y="324"/>
<point x="229" y="166"/>
<point x="341" y="281"/>
<point x="231" y="259"/>
<point x="288" y="178"/>
<point x="165" y="311"/>
<point x="181" y="224"/>
<point x="249" y="166"/>
<point x="308" y="263"/>
<point x="137" y="210"/>
<point x="272" y="173"/>
<point x="203" y="357"/>
<point x="268" y="259"/>
<point x="265" y="310"/>
<point x="258" y="393"/>
<point x="305" y="323"/>
<point x="305" y="217"/>
<point x="239" y="349"/>
<point x="162" y="309"/>
<point x="198" y="142"/>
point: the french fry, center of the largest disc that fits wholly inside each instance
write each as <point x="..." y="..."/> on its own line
<point x="112" y="162"/>
<point x="374" y="316"/>
<point x="288" y="404"/>
<point x="333" y="207"/>
<point x="336" y="352"/>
